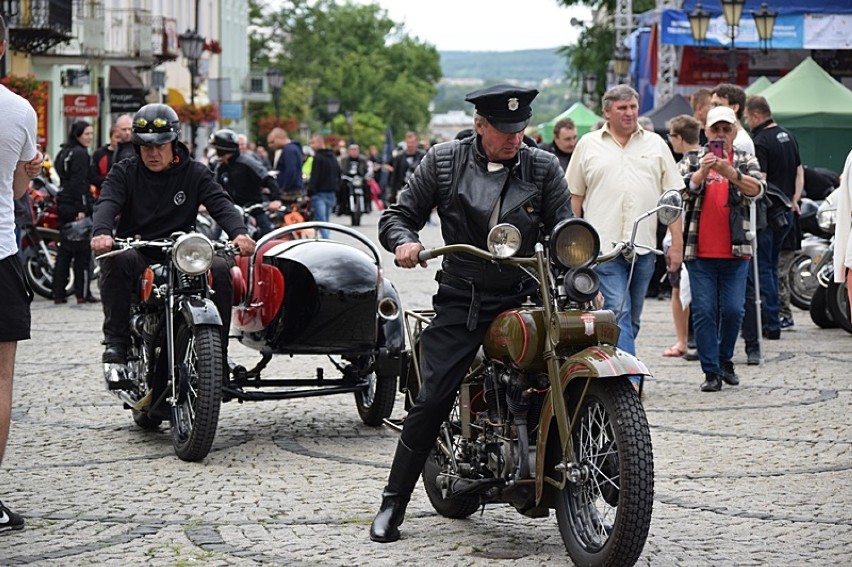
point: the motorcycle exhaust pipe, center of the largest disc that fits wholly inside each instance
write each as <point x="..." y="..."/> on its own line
<point x="388" y="309"/>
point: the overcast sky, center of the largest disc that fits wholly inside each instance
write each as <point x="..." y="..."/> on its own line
<point x="486" y="25"/>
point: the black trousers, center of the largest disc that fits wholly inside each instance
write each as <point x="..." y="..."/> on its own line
<point x="449" y="348"/>
<point x="81" y="255"/>
<point x="119" y="285"/>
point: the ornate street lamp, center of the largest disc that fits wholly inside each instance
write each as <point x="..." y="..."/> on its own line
<point x="275" y="78"/>
<point x="590" y="87"/>
<point x="621" y="63"/>
<point x="699" y="22"/>
<point x="191" y="46"/>
<point x="349" y="120"/>
<point x="333" y="105"/>
<point x="764" y="21"/>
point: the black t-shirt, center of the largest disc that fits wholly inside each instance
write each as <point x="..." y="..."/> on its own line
<point x="778" y="154"/>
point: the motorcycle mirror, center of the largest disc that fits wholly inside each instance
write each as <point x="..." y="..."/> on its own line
<point x="504" y="240"/>
<point x="669" y="207"/>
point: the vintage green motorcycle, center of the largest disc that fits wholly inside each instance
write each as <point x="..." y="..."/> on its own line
<point x="547" y="417"/>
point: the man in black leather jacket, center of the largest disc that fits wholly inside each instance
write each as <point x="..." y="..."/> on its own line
<point x="475" y="183"/>
<point x="153" y="195"/>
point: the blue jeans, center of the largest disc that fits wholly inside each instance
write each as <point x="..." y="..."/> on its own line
<point x="718" y="288"/>
<point x="613" y="276"/>
<point x="769" y="242"/>
<point x="321" y="206"/>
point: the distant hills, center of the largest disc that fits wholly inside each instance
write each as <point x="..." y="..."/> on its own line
<point x="527" y="66"/>
<point x="544" y="69"/>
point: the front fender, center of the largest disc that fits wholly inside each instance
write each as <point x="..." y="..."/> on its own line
<point x="603" y="361"/>
<point x="199" y="311"/>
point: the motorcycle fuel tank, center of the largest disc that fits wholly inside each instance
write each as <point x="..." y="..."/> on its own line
<point x="517" y="336"/>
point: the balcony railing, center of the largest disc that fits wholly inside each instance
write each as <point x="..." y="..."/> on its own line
<point x="95" y="31"/>
<point x="39" y="25"/>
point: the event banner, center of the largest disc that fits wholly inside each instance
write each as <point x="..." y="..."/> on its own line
<point x="789" y="31"/>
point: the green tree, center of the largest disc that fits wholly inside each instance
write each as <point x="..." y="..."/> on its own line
<point x="349" y="52"/>
<point x="596" y="43"/>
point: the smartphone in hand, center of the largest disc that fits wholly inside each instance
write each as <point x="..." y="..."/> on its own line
<point x="717" y="148"/>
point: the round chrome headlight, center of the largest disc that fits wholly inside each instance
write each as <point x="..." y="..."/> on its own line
<point x="574" y="243"/>
<point x="504" y="240"/>
<point x="193" y="253"/>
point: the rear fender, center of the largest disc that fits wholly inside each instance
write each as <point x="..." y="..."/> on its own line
<point x="199" y="311"/>
<point x="603" y="361"/>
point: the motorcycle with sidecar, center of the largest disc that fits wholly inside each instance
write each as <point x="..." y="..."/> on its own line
<point x="293" y="296"/>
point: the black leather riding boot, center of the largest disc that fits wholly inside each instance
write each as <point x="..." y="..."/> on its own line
<point x="406" y="469"/>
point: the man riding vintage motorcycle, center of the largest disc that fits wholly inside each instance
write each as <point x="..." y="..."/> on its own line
<point x="475" y="183"/>
<point x="153" y="196"/>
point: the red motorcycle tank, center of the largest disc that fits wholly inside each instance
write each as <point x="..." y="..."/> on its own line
<point x="517" y="336"/>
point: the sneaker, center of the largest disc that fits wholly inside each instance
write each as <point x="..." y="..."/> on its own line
<point x="788" y="324"/>
<point x="10" y="520"/>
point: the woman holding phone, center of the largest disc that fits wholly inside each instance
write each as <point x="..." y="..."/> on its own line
<point x="720" y="185"/>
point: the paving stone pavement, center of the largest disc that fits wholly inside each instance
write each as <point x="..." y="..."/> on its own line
<point x="758" y="474"/>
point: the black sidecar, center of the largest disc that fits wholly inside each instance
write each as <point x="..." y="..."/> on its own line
<point x="301" y="296"/>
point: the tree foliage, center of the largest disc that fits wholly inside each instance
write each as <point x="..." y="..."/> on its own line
<point x="349" y="52"/>
<point x="596" y="44"/>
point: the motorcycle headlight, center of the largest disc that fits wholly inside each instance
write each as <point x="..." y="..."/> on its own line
<point x="193" y="253"/>
<point x="504" y="240"/>
<point x="826" y="217"/>
<point x="581" y="284"/>
<point x="574" y="243"/>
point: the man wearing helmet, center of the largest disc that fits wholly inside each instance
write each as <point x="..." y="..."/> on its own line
<point x="243" y="177"/>
<point x="153" y="195"/>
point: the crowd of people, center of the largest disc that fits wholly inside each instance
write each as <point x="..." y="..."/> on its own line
<point x="145" y="182"/>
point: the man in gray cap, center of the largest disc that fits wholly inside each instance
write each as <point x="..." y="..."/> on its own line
<point x="475" y="183"/>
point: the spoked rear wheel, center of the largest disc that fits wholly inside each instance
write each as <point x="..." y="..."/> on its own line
<point x="137" y="364"/>
<point x="438" y="470"/>
<point x="604" y="511"/>
<point x="40" y="275"/>
<point x="200" y="366"/>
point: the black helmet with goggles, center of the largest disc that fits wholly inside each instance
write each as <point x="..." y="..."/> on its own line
<point x="155" y="125"/>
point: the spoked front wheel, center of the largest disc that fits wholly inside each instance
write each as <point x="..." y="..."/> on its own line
<point x="604" y="511"/>
<point x="199" y="362"/>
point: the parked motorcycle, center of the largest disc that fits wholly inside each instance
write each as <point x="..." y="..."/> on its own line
<point x="302" y="296"/>
<point x="547" y="416"/>
<point x="801" y="269"/>
<point x="176" y="359"/>
<point x="356" y="199"/>
<point x="829" y="305"/>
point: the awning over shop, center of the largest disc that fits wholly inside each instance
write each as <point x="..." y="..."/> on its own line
<point x="121" y="77"/>
<point x="174" y="98"/>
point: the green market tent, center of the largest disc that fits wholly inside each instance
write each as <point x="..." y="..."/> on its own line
<point x="758" y="86"/>
<point x="584" y="118"/>
<point x="818" y="111"/>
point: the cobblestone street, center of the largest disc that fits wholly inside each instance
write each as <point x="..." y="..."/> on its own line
<point x="759" y="474"/>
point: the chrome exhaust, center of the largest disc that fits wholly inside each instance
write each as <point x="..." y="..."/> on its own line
<point x="388" y="309"/>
